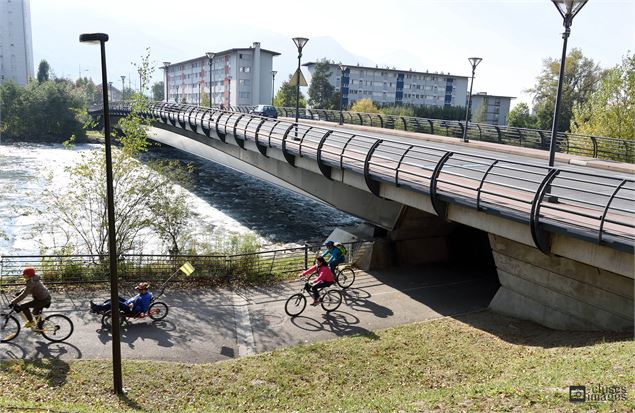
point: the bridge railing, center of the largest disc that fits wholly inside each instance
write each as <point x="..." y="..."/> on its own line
<point x="600" y="147"/>
<point x="592" y="206"/>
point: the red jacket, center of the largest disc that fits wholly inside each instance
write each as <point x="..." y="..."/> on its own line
<point x="324" y="273"/>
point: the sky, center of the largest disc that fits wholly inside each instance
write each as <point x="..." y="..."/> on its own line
<point x="513" y="37"/>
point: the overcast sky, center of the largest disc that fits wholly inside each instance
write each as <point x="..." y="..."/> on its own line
<point x="512" y="36"/>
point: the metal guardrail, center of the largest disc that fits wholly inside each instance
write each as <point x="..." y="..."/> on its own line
<point x="600" y="147"/>
<point x="596" y="207"/>
<point x="260" y="267"/>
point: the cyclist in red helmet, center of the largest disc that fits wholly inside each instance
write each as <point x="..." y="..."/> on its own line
<point x="140" y="303"/>
<point x="39" y="293"/>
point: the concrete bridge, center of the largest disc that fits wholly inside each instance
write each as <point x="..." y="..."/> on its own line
<point x="561" y="238"/>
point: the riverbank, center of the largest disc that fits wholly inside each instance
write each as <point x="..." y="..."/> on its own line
<point x="475" y="362"/>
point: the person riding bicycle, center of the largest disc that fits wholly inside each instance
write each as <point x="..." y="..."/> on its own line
<point x="39" y="293"/>
<point x="324" y="279"/>
<point x="138" y="304"/>
<point x="334" y="254"/>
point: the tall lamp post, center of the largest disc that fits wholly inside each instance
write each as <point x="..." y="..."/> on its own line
<point x="123" y="87"/>
<point x="166" y="66"/>
<point x="474" y="61"/>
<point x="299" y="42"/>
<point x="342" y="69"/>
<point x="102" y="38"/>
<point x="210" y="57"/>
<point x="273" y="84"/>
<point x="568" y="9"/>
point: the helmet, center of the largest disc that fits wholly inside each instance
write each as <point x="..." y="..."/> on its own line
<point x="28" y="272"/>
<point x="142" y="286"/>
<point x="329" y="243"/>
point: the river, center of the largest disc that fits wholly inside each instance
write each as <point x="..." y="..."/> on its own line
<point x="223" y="199"/>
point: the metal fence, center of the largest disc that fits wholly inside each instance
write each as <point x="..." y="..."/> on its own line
<point x="257" y="268"/>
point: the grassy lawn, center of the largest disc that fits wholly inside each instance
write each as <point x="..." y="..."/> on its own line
<point x="476" y="362"/>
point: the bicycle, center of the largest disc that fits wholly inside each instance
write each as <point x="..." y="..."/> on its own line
<point x="329" y="299"/>
<point x="55" y="327"/>
<point x="157" y="311"/>
<point x="344" y="276"/>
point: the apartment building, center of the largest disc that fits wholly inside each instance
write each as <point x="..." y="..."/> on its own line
<point x="239" y="77"/>
<point x="495" y="109"/>
<point x="386" y="86"/>
<point x="16" y="49"/>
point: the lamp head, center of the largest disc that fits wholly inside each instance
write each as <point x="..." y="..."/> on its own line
<point x="93" y="38"/>
<point x="300" y="42"/>
<point x="343" y="68"/>
<point x="274" y="73"/>
<point x="166" y="64"/>
<point x="474" y="61"/>
<point x="569" y="8"/>
<point x="210" y="55"/>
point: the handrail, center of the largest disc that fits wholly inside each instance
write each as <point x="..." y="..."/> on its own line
<point x="598" y="207"/>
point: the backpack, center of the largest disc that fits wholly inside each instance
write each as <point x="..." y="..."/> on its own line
<point x="341" y="247"/>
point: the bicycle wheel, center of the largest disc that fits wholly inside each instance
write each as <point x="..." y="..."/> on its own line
<point x="106" y="319"/>
<point x="9" y="328"/>
<point x="331" y="300"/>
<point x="158" y="310"/>
<point x="57" y="327"/>
<point x="345" y="277"/>
<point x="295" y="304"/>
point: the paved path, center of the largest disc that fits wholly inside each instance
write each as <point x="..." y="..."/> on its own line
<point x="207" y="326"/>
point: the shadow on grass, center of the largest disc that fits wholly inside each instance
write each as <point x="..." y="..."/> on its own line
<point x="528" y="333"/>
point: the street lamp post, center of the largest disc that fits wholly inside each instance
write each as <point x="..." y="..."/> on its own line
<point x="342" y="69"/>
<point x="474" y="61"/>
<point x="568" y="9"/>
<point x="210" y="56"/>
<point x="299" y="42"/>
<point x="102" y="38"/>
<point x="273" y="84"/>
<point x="166" y="66"/>
<point x="123" y="87"/>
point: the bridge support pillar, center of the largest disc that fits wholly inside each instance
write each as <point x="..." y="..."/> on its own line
<point x="559" y="292"/>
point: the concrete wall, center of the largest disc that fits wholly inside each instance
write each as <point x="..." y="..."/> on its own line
<point x="559" y="292"/>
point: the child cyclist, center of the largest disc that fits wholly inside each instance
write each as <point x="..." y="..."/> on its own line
<point x="334" y="255"/>
<point x="324" y="279"/>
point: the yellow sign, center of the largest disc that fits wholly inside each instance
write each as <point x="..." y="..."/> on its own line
<point x="294" y="79"/>
<point x="187" y="268"/>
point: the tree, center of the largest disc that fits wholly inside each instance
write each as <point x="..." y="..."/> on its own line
<point x="157" y="91"/>
<point x="520" y="117"/>
<point x="286" y="96"/>
<point x="146" y="199"/>
<point x="321" y="91"/>
<point x="43" y="71"/>
<point x="580" y="79"/>
<point x="610" y="110"/>
<point x="204" y="99"/>
<point x="480" y="116"/>
<point x="364" y="106"/>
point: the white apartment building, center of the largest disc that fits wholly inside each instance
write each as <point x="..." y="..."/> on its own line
<point x="393" y="86"/>
<point x="496" y="108"/>
<point x="16" y="49"/>
<point x="239" y="77"/>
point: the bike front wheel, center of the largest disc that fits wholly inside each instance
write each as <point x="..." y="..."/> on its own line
<point x="345" y="277"/>
<point x="9" y="328"/>
<point x="106" y="319"/>
<point x="331" y="300"/>
<point x="56" y="328"/>
<point x="158" y="310"/>
<point x="295" y="304"/>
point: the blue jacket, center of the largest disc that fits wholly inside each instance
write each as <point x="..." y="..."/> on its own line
<point x="333" y="254"/>
<point x="140" y="302"/>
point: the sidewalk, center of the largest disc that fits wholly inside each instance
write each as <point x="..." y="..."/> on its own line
<point x="208" y="326"/>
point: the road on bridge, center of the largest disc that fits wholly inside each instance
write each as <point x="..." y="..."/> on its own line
<point x="211" y="325"/>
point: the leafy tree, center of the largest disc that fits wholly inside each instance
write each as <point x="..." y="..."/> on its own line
<point x="520" y="117"/>
<point x="580" y="79"/>
<point x="610" y="110"/>
<point x="43" y="71"/>
<point x="87" y="88"/>
<point x="398" y="110"/>
<point x="205" y="99"/>
<point x="287" y="94"/>
<point x="480" y="116"/>
<point x="364" y="106"/>
<point x="321" y="91"/>
<point x="146" y="199"/>
<point x="157" y="91"/>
